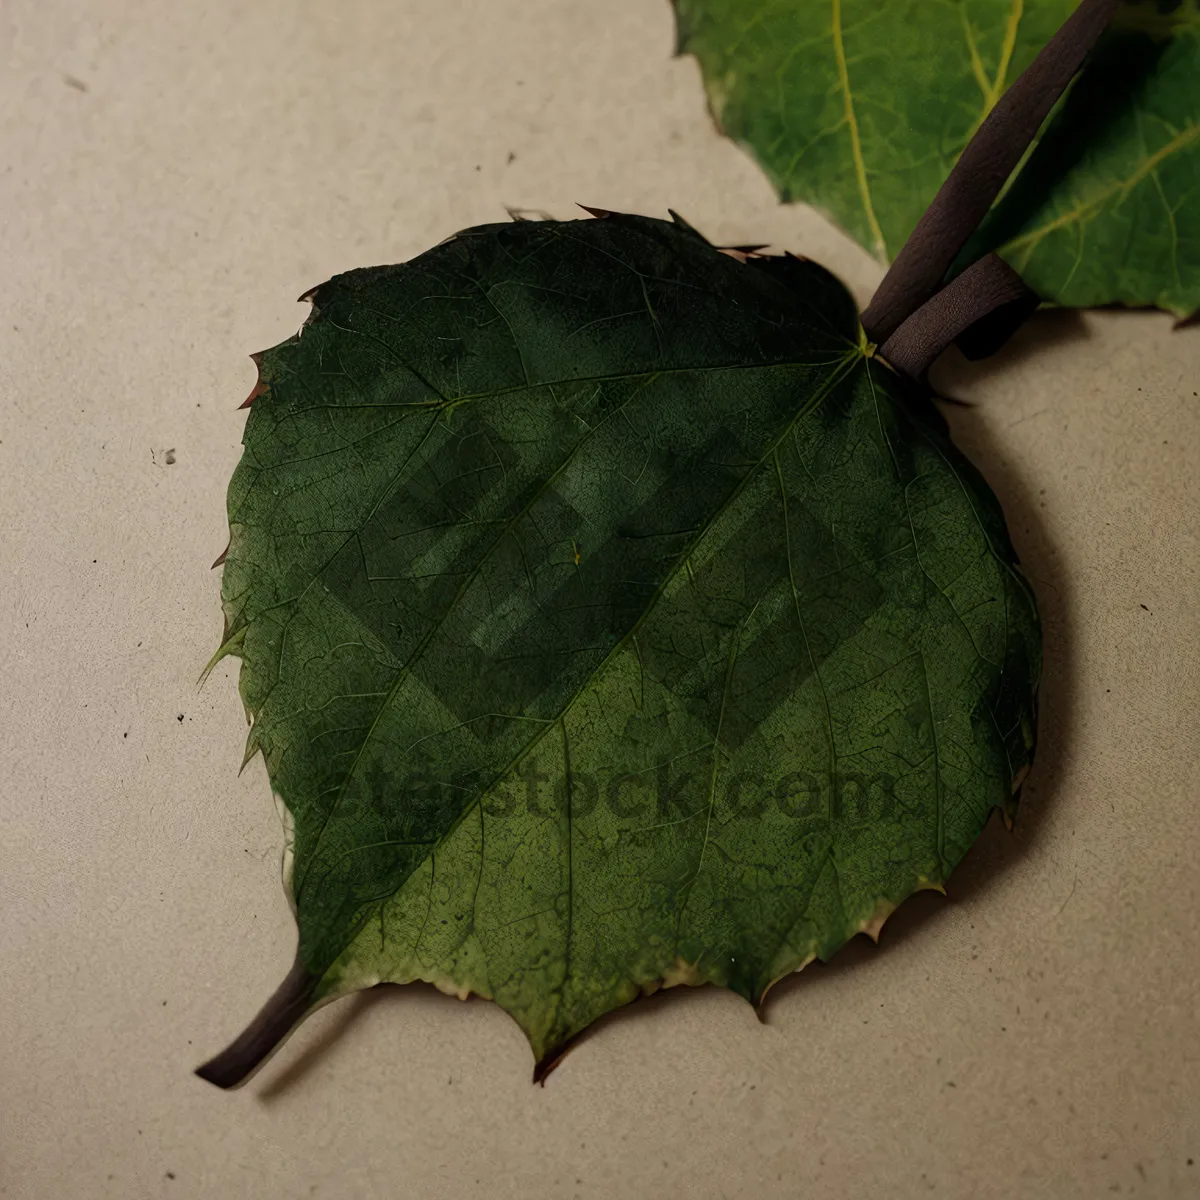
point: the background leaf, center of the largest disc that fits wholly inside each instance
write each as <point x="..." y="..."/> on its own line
<point x="861" y="109"/>
<point x="610" y="621"/>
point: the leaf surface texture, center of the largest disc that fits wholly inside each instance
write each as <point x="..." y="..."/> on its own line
<point x="860" y="109"/>
<point x="608" y="619"/>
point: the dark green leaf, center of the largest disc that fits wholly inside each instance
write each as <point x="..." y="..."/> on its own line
<point x="610" y="621"/>
<point x="861" y="109"/>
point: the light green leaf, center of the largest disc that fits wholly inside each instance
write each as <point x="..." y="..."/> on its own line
<point x="861" y="109"/>
<point x="608" y="621"/>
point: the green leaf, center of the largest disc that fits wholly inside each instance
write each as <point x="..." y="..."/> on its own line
<point x="609" y="620"/>
<point x="861" y="109"/>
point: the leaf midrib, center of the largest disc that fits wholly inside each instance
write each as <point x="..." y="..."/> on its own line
<point x="856" y="151"/>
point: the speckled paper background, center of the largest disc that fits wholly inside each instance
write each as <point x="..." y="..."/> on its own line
<point x="171" y="176"/>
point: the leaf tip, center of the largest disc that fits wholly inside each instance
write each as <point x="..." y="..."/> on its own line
<point x="872" y="926"/>
<point x="760" y="1004"/>
<point x="259" y="386"/>
<point x="230" y="643"/>
<point x="687" y="226"/>
<point x="252" y="747"/>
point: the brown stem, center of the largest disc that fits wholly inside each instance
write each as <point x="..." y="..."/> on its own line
<point x="255" y="1044"/>
<point x="987" y="293"/>
<point x="976" y="179"/>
